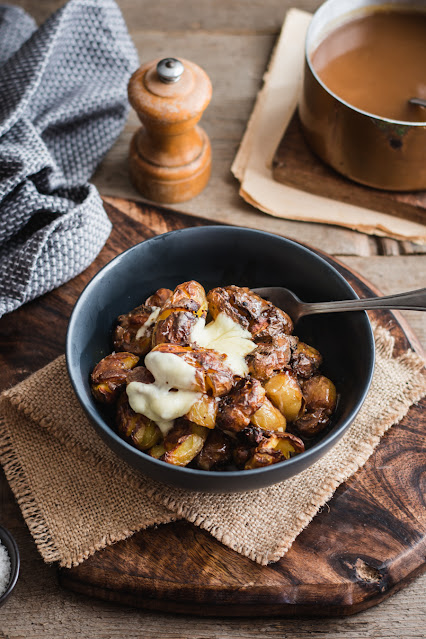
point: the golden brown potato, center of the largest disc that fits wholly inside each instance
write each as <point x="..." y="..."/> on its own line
<point x="236" y="408"/>
<point x="212" y="376"/>
<point x="264" y="320"/>
<point x="269" y="418"/>
<point x="133" y="332"/>
<point x="159" y="298"/>
<point x="134" y="427"/>
<point x="157" y="451"/>
<point x="285" y="393"/>
<point x="216" y="452"/>
<point x="320" y="392"/>
<point x="268" y="359"/>
<point x="203" y="412"/>
<point x="184" y="442"/>
<point x="305" y="360"/>
<point x="179" y="314"/>
<point x="109" y="376"/>
<point x="321" y="399"/>
<point x="276" y="448"/>
<point x="140" y="374"/>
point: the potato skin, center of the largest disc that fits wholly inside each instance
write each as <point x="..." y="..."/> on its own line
<point x="124" y="338"/>
<point x="212" y="376"/>
<point x="268" y="359"/>
<point x="159" y="298"/>
<point x="273" y="449"/>
<point x="184" y="442"/>
<point x="305" y="360"/>
<point x="137" y="429"/>
<point x="321" y="398"/>
<point x="264" y="320"/>
<point x="236" y="408"/>
<point x="216" y="452"/>
<point x="285" y="393"/>
<point x="203" y="412"/>
<point x="109" y="376"/>
<point x="269" y="418"/>
<point x="179" y="314"/>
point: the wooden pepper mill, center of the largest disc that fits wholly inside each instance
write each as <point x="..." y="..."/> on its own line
<point x="170" y="156"/>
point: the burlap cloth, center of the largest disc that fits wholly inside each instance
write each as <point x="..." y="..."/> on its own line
<point x="77" y="496"/>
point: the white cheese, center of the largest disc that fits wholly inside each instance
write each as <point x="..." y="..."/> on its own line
<point x="225" y="336"/>
<point x="170" y="396"/>
<point x="149" y="322"/>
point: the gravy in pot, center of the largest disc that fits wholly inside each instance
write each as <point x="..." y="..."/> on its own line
<point x="376" y="63"/>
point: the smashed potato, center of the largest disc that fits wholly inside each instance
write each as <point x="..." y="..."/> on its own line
<point x="247" y="398"/>
<point x="110" y="374"/>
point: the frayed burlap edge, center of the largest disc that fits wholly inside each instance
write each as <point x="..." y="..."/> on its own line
<point x="161" y="494"/>
<point x="18" y="481"/>
<point x="391" y="416"/>
<point x="33" y="517"/>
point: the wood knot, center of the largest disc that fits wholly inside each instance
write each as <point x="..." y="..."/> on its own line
<point x="364" y="572"/>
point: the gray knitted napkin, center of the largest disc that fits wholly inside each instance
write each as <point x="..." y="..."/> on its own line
<point x="63" y="102"/>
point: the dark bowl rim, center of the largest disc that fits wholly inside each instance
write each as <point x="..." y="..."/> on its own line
<point x="15" y="561"/>
<point x="315" y="451"/>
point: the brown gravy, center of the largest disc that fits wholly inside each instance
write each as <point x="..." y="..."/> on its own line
<point x="376" y="63"/>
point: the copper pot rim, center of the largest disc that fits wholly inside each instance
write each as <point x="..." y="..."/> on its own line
<point x="373" y="116"/>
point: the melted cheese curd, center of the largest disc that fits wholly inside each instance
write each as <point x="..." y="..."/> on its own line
<point x="172" y="394"/>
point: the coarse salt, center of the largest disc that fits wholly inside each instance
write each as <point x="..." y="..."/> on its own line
<point x="5" y="568"/>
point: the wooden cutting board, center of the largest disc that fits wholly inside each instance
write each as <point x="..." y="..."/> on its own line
<point x="295" y="165"/>
<point x="367" y="542"/>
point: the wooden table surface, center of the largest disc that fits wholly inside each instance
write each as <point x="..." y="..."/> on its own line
<point x="232" y="40"/>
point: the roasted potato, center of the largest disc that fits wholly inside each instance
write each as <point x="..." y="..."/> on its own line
<point x="109" y="376"/>
<point x="285" y="393"/>
<point x="157" y="451"/>
<point x="216" y="452"/>
<point x="179" y="314"/>
<point x="268" y="359"/>
<point x="276" y="448"/>
<point x="321" y="398"/>
<point x="134" y="427"/>
<point x="269" y="418"/>
<point x="184" y="442"/>
<point x="212" y="376"/>
<point x="305" y="360"/>
<point x="236" y="408"/>
<point x="140" y="374"/>
<point x="264" y="320"/>
<point x="203" y="412"/>
<point x="159" y="298"/>
<point x="133" y="332"/>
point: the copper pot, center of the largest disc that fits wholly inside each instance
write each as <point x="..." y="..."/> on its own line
<point x="375" y="151"/>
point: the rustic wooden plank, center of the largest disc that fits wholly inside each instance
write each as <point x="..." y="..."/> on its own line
<point x="41" y="610"/>
<point x="395" y="275"/>
<point x="224" y="120"/>
<point x="171" y="15"/>
<point x="63" y="614"/>
<point x="295" y="165"/>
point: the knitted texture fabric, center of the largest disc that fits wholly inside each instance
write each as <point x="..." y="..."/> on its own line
<point x="63" y="103"/>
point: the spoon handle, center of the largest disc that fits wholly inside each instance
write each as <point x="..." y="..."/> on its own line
<point x="411" y="301"/>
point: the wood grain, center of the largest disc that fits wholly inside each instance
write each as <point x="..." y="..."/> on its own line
<point x="32" y="336"/>
<point x="368" y="542"/>
<point x="294" y="164"/>
<point x="221" y="36"/>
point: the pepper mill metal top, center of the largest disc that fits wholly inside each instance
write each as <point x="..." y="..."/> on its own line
<point x="170" y="70"/>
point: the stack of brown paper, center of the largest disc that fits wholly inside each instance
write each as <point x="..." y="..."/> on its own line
<point x="274" y="108"/>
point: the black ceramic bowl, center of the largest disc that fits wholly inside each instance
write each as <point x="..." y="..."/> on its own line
<point x="10" y="544"/>
<point x="218" y="256"/>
